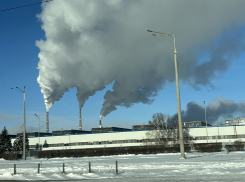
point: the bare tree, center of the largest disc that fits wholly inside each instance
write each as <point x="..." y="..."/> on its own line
<point x="158" y="130"/>
<point x="175" y="131"/>
<point x="164" y="130"/>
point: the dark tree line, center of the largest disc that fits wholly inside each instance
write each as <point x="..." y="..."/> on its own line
<point x="6" y="145"/>
<point x="5" y="142"/>
<point x="18" y="143"/>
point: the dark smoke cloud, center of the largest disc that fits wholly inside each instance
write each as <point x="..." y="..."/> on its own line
<point x="224" y="51"/>
<point x="91" y="44"/>
<point x="127" y="93"/>
<point x="217" y="111"/>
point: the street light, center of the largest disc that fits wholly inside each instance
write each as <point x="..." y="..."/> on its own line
<point x="38" y="131"/>
<point x="24" y="126"/>
<point x="177" y="91"/>
<point x="206" y="121"/>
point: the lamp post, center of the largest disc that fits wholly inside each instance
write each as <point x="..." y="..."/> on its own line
<point x="206" y="121"/>
<point x="177" y="91"/>
<point x="24" y="126"/>
<point x="38" y="131"/>
<point x="218" y="133"/>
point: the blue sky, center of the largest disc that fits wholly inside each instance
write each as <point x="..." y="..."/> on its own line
<point x="20" y="29"/>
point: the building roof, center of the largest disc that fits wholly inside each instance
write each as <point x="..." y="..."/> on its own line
<point x="143" y="127"/>
<point x="195" y="124"/>
<point x="109" y="129"/>
<point x="35" y="134"/>
<point x="62" y="132"/>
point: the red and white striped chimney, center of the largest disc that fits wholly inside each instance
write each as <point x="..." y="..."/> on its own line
<point x="100" y="124"/>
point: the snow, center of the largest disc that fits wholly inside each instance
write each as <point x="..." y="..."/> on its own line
<point x="220" y="166"/>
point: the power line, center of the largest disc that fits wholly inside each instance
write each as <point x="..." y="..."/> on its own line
<point x="25" y="5"/>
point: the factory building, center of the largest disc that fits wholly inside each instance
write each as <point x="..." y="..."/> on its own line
<point x="35" y="134"/>
<point x="226" y="134"/>
<point x="237" y="121"/>
<point x="143" y="127"/>
<point x="108" y="129"/>
<point x="12" y="136"/>
<point x="69" y="132"/>
<point x="195" y="124"/>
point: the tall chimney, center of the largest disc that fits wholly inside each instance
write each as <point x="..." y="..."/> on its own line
<point x="47" y="123"/>
<point x="100" y="124"/>
<point x="80" y="119"/>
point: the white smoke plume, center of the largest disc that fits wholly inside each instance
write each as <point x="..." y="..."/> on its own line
<point x="90" y="44"/>
<point x="83" y="95"/>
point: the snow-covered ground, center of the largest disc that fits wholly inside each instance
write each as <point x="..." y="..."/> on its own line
<point x="158" y="167"/>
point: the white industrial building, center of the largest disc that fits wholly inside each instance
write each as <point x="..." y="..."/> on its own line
<point x="237" y="121"/>
<point x="225" y="134"/>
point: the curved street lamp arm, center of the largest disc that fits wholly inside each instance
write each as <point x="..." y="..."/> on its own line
<point x="164" y="34"/>
<point x="36" y="115"/>
<point x="21" y="90"/>
<point x="16" y="89"/>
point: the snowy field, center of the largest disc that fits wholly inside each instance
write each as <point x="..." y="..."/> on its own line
<point x="159" y="167"/>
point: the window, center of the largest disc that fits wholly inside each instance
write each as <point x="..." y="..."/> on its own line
<point x="105" y="142"/>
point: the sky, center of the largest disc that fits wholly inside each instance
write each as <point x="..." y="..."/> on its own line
<point x="98" y="56"/>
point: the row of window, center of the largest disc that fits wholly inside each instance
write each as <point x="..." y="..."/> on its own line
<point x="138" y="141"/>
<point x="91" y="143"/>
<point x="219" y="137"/>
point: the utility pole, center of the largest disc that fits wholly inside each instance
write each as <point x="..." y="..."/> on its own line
<point x="24" y="125"/>
<point x="38" y="131"/>
<point x="181" y="141"/>
<point x="206" y="121"/>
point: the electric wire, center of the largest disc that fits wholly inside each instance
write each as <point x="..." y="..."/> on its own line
<point x="25" y="5"/>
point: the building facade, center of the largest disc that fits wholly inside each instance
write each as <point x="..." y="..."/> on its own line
<point x="195" y="124"/>
<point x="237" y="121"/>
<point x="224" y="134"/>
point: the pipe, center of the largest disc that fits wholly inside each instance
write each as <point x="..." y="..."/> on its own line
<point x="80" y="119"/>
<point x="47" y="122"/>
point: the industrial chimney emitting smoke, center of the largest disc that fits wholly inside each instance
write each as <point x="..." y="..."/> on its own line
<point x="80" y="119"/>
<point x="47" y="123"/>
<point x="100" y="121"/>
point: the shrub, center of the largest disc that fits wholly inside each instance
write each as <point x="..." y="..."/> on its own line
<point x="154" y="149"/>
<point x="237" y="146"/>
<point x="12" y="156"/>
<point x="207" y="147"/>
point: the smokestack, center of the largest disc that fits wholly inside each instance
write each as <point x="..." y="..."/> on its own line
<point x="100" y="124"/>
<point x="80" y="119"/>
<point x="47" y="124"/>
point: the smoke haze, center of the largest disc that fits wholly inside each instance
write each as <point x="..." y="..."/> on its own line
<point x="19" y="129"/>
<point x="91" y="44"/>
<point x="217" y="111"/>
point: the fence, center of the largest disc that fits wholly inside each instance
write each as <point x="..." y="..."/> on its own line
<point x="39" y="169"/>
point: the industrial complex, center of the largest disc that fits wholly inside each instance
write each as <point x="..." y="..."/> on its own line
<point x="121" y="137"/>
